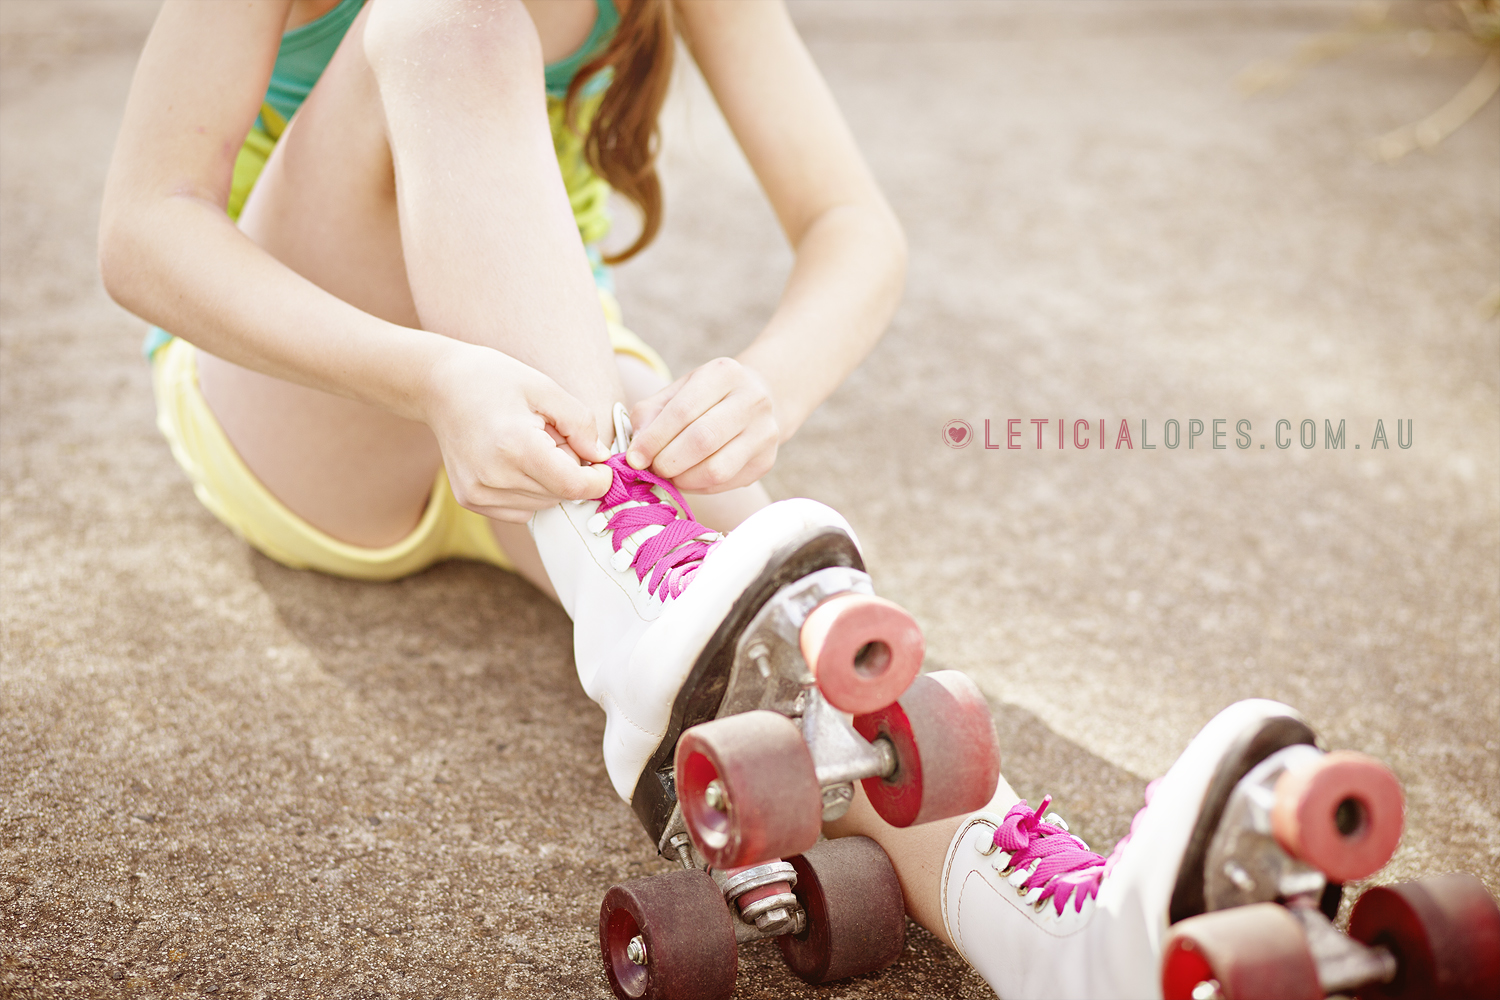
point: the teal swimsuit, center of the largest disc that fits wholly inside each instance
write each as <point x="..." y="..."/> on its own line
<point x="306" y="51"/>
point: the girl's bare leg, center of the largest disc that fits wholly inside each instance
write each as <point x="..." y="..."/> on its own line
<point x="419" y="183"/>
<point x="333" y="206"/>
<point x="916" y="852"/>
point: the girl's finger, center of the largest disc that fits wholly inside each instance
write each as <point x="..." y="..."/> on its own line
<point x="526" y="496"/>
<point x="741" y="462"/>
<point x="531" y="499"/>
<point x="568" y="417"/>
<point x="507" y="514"/>
<point x="699" y="394"/>
<point x="534" y="473"/>
<point x="705" y="436"/>
<point x="558" y="474"/>
<point x="522" y="495"/>
<point x="645" y="412"/>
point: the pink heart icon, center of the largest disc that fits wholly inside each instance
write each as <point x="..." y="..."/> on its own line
<point x="957" y="434"/>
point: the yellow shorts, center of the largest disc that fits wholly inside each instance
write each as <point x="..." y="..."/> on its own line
<point x="228" y="488"/>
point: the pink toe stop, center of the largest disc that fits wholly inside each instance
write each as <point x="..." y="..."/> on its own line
<point x="1343" y="814"/>
<point x="864" y="651"/>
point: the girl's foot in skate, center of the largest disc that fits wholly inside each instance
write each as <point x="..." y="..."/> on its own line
<point x="658" y="602"/>
<point x="1039" y="914"/>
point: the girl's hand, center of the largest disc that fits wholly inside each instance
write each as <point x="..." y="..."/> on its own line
<point x="712" y="430"/>
<point x="511" y="437"/>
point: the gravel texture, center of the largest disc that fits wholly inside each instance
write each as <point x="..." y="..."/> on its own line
<point x="223" y="778"/>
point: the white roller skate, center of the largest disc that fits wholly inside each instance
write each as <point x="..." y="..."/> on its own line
<point x="1224" y="888"/>
<point x="756" y="676"/>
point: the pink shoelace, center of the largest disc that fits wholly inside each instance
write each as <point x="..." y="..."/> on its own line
<point x="672" y="555"/>
<point x="1065" y="867"/>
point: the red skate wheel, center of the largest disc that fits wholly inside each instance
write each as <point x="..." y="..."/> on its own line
<point x="1251" y="952"/>
<point x="947" y="757"/>
<point x="1342" y="815"/>
<point x="856" y="920"/>
<point x="668" y="937"/>
<point x="864" y="650"/>
<point x="748" y="790"/>
<point x="1444" y="932"/>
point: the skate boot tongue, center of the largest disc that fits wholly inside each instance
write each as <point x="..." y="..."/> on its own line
<point x="651" y="535"/>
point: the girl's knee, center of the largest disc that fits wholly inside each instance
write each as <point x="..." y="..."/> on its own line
<point x="451" y="42"/>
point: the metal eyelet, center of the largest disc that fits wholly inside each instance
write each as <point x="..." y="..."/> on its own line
<point x="990" y="847"/>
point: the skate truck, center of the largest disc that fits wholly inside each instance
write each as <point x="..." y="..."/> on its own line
<point x="819" y="688"/>
<point x="1259" y="889"/>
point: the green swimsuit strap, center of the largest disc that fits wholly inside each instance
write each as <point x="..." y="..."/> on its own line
<point x="560" y="74"/>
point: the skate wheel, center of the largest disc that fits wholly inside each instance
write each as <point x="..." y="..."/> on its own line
<point x="856" y="920"/>
<point x="947" y="757"/>
<point x="1444" y="932"/>
<point x="864" y="650"/>
<point x="748" y="789"/>
<point x="1341" y="815"/>
<point x="1250" y="952"/>
<point x="668" y="937"/>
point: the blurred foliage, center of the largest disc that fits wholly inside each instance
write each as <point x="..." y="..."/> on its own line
<point x="1484" y="19"/>
<point x="1450" y="27"/>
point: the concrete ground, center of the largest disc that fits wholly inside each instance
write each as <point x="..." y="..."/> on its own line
<point x="224" y="778"/>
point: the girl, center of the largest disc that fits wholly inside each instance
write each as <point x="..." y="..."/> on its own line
<point x="399" y="345"/>
<point x="414" y="295"/>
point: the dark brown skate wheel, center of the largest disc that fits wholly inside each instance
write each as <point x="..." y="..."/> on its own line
<point x="1250" y="952"/>
<point x="668" y="937"/>
<point x="1444" y="932"/>
<point x="856" y="920"/>
<point x="863" y="649"/>
<point x="748" y="789"/>
<point x="947" y="756"/>
<point x="1342" y="815"/>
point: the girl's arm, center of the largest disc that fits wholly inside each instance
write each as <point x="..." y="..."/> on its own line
<point x="170" y="254"/>
<point x="718" y="427"/>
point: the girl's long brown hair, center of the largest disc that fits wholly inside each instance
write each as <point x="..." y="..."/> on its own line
<point x="622" y="142"/>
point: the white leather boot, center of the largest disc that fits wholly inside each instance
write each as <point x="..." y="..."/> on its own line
<point x="1039" y="916"/>
<point x="657" y="602"/>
